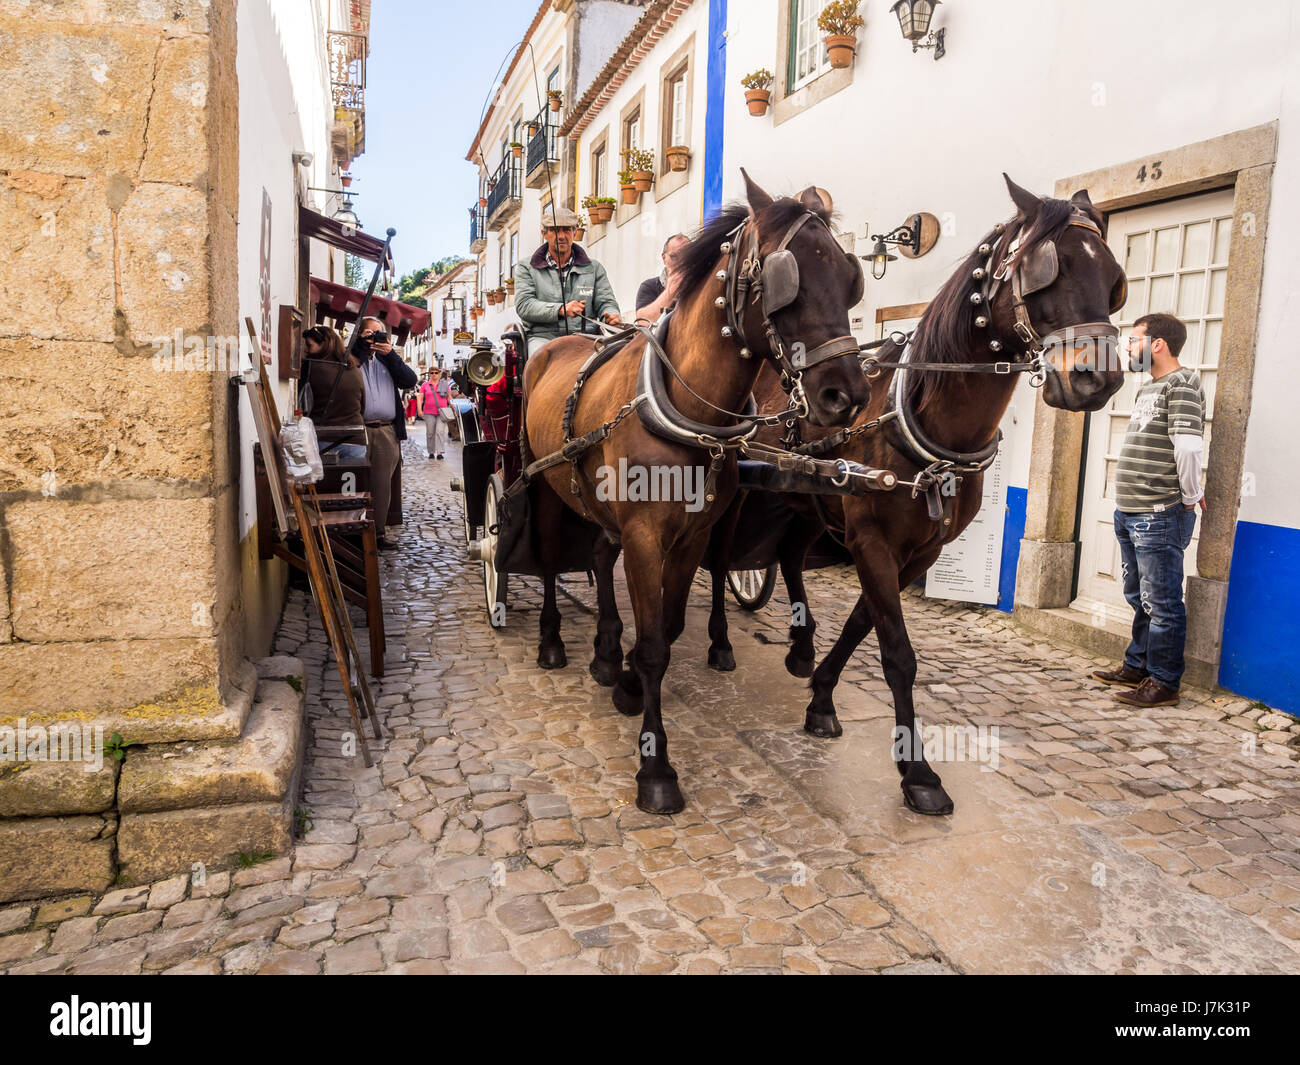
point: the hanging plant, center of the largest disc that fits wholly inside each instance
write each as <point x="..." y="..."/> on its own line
<point x="679" y="158"/>
<point x="601" y="208"/>
<point x="641" y="165"/>
<point x="533" y="127"/>
<point x="630" y="192"/>
<point x="555" y="98"/>
<point x="840" y="22"/>
<point x="758" y="91"/>
<point x="516" y="149"/>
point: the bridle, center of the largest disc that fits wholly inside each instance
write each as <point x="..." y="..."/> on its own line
<point x="773" y="281"/>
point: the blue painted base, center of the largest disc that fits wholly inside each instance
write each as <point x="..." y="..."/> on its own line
<point x="1013" y="531"/>
<point x="1261" y="632"/>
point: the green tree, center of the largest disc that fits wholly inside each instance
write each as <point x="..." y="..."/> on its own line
<point x="354" y="272"/>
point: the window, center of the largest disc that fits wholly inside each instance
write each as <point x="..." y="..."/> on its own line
<point x="514" y="251"/>
<point x="677" y="108"/>
<point x="501" y="263"/>
<point x="553" y="80"/>
<point x="808" y="58"/>
<point x="632" y="130"/>
<point x="599" y="181"/>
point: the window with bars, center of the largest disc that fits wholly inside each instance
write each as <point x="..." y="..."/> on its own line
<point x="808" y="58"/>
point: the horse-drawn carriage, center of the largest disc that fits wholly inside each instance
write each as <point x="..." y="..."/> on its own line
<point x="756" y="380"/>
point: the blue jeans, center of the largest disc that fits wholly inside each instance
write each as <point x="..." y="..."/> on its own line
<point x="1151" y="548"/>
<point x="347" y="452"/>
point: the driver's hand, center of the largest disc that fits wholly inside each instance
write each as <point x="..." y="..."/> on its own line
<point x="612" y="318"/>
<point x="574" y="308"/>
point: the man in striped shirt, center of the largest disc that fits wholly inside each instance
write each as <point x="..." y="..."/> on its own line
<point x="1157" y="490"/>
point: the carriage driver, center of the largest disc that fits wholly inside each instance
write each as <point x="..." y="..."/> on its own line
<point x="561" y="290"/>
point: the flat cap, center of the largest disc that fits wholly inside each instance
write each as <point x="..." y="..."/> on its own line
<point x="558" y="218"/>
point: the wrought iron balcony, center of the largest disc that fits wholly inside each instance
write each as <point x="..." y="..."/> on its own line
<point x="503" y="200"/>
<point x="543" y="149"/>
<point x="477" y="229"/>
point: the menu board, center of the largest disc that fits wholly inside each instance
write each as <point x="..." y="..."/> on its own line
<point x="970" y="567"/>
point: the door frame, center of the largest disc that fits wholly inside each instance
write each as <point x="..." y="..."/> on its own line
<point x="1046" y="581"/>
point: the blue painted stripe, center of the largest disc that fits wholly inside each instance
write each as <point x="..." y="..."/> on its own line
<point x="1013" y="531"/>
<point x="1261" y="629"/>
<point x="715" y="109"/>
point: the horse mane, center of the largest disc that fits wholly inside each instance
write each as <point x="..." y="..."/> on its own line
<point x="697" y="261"/>
<point x="943" y="334"/>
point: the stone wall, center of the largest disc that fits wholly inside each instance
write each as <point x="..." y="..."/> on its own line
<point x="119" y="557"/>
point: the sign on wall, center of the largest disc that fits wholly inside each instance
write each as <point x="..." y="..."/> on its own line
<point x="970" y="567"/>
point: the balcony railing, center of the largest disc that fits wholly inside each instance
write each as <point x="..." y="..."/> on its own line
<point x="477" y="229"/>
<point x="503" y="200"/>
<point x="542" y="149"/>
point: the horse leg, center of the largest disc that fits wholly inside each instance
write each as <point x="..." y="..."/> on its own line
<point x="721" y="656"/>
<point x="820" y="718"/>
<point x="608" y="658"/>
<point x="550" y="647"/>
<point x="793" y="552"/>
<point x="656" y="781"/>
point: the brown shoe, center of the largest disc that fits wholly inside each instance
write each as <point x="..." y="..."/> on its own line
<point x="1124" y="677"/>
<point x="1148" y="693"/>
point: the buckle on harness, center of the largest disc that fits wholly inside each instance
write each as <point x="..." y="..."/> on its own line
<point x="1002" y="367"/>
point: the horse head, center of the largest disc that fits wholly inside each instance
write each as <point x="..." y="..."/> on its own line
<point x="1065" y="285"/>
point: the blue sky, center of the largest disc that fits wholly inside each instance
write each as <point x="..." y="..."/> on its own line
<point x="431" y="67"/>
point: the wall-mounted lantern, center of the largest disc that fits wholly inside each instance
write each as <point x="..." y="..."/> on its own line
<point x="913" y="239"/>
<point x="914" y="20"/>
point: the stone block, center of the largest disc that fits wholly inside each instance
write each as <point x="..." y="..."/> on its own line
<point x="1045" y="573"/>
<point x="176" y="145"/>
<point x="44" y="856"/>
<point x="52" y="789"/>
<point x="257" y="767"/>
<point x="61" y="231"/>
<point x="125" y="569"/>
<point x="1207" y="602"/>
<point x="76" y="96"/>
<point x="155" y="845"/>
<point x="151" y="691"/>
<point x="135" y="417"/>
<point x="172" y="18"/>
<point x="162" y="251"/>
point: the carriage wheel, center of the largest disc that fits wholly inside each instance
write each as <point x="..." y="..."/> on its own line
<point x="752" y="588"/>
<point x="494" y="583"/>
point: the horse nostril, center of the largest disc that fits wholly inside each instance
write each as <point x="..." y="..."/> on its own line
<point x="834" y="401"/>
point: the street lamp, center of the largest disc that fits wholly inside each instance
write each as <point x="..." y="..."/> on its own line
<point x="907" y="235"/>
<point x="914" y="20"/>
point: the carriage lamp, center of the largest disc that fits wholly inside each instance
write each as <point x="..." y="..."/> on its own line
<point x="346" y="216"/>
<point x="914" y="20"/>
<point x="907" y="235"/>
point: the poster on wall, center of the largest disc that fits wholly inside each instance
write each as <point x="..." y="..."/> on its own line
<point x="970" y="567"/>
<point x="264" y="277"/>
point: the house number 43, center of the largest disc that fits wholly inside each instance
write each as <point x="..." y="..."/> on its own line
<point x="1154" y="173"/>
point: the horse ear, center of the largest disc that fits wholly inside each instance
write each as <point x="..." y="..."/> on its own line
<point x="1082" y="199"/>
<point x="817" y="200"/>
<point x="758" y="199"/>
<point x="1028" y="204"/>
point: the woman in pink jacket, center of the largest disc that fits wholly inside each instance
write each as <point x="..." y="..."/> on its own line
<point x="436" y="397"/>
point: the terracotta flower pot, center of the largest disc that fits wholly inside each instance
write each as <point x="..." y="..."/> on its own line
<point x="602" y="213"/>
<point x="630" y="193"/>
<point x="758" y="100"/>
<point x="679" y="159"/>
<point x="517" y="151"/>
<point x="642" y="179"/>
<point x="532" y="130"/>
<point x="579" y="235"/>
<point x="555" y="102"/>
<point x="482" y="201"/>
<point x="510" y="286"/>
<point x="841" y="48"/>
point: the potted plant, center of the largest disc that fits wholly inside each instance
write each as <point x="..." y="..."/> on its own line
<point x="555" y="98"/>
<point x="628" y="187"/>
<point x="600" y="208"/>
<point x="482" y="201"/>
<point x="516" y="149"/>
<point x="532" y="129"/>
<point x="641" y="165"/>
<point x="840" y="22"/>
<point x="758" y="91"/>
<point x="679" y="158"/>
<point x="580" y="233"/>
<point x="510" y="285"/>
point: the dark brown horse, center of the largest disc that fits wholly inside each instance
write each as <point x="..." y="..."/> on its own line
<point x="1059" y="285"/>
<point x="786" y="304"/>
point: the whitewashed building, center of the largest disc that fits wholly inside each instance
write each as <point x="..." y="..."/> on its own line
<point x="450" y="298"/>
<point x="563" y="49"/>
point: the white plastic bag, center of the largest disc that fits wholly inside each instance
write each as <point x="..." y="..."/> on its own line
<point x="301" y="452"/>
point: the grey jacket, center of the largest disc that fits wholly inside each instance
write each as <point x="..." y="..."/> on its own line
<point x="538" y="298"/>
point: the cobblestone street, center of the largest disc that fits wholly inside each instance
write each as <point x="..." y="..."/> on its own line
<point x="497" y="831"/>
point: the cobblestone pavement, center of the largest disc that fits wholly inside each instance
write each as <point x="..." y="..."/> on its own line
<point x="497" y="831"/>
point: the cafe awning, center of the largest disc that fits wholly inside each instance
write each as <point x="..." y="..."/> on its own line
<point x="345" y="238"/>
<point x="341" y="304"/>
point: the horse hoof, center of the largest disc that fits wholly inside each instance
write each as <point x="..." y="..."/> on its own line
<point x="827" y="726"/>
<point x="722" y="659"/>
<point x="798" y="667"/>
<point x="552" y="656"/>
<point x="604" y="673"/>
<point x="659" y="795"/>
<point x="928" y="799"/>
<point x="625" y="702"/>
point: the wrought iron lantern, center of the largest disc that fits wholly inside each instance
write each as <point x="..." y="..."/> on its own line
<point x="907" y="236"/>
<point x="914" y="18"/>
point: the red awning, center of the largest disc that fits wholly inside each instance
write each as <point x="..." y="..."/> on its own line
<point x="336" y="235"/>
<point x="341" y="304"/>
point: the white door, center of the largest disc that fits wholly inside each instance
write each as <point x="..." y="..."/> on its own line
<point x="1176" y="258"/>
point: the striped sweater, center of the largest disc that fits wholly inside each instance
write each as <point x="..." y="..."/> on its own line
<point x="1147" y="475"/>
